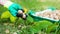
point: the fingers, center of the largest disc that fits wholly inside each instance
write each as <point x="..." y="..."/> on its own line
<point x="13" y="12"/>
<point x="22" y="15"/>
<point x="20" y="11"/>
<point x="19" y="15"/>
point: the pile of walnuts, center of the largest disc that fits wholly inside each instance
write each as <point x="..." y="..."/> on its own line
<point x="50" y="14"/>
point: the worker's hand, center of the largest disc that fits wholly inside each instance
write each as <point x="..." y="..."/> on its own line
<point x="13" y="7"/>
<point x="7" y="15"/>
<point x="22" y="15"/>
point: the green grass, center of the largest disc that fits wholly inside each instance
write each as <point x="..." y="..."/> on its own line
<point x="30" y="27"/>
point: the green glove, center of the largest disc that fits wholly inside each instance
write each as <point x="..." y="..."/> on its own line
<point x="37" y="18"/>
<point x="12" y="7"/>
<point x="32" y="14"/>
<point x="7" y="15"/>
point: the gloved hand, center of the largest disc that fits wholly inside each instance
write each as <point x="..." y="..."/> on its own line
<point x="23" y="16"/>
<point x="14" y="8"/>
<point x="7" y="15"/>
<point x="32" y="14"/>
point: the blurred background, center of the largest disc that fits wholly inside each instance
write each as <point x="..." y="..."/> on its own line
<point x="22" y="27"/>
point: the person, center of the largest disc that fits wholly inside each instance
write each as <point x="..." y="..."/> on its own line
<point x="16" y="10"/>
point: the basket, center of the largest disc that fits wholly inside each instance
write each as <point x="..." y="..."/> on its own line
<point x="39" y="18"/>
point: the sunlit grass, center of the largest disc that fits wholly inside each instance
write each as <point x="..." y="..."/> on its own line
<point x="30" y="5"/>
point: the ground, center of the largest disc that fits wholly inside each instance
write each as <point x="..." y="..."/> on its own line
<point x="24" y="27"/>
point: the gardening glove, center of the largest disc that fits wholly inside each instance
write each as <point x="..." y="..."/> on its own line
<point x="22" y="15"/>
<point x="36" y="18"/>
<point x="7" y="15"/>
<point x="12" y="7"/>
<point x="32" y="14"/>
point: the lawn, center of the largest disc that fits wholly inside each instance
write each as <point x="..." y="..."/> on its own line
<point x="29" y="26"/>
